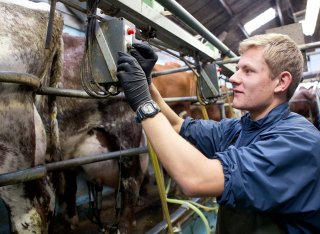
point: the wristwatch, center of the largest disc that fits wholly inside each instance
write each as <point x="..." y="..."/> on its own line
<point x="147" y="110"/>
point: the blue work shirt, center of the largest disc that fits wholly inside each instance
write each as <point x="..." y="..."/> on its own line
<point x="271" y="165"/>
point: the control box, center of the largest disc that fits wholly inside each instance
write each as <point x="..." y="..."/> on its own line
<point x="111" y="36"/>
<point x="209" y="81"/>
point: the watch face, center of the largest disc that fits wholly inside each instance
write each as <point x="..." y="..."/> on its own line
<point x="148" y="108"/>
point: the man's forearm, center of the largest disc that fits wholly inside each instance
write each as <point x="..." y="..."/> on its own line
<point x="196" y="174"/>
<point x="173" y="118"/>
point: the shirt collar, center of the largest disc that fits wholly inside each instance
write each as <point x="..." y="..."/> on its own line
<point x="276" y="114"/>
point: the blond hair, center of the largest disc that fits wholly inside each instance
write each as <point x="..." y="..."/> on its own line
<point x="281" y="53"/>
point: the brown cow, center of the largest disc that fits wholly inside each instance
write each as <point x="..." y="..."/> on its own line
<point x="95" y="126"/>
<point x="304" y="102"/>
<point x="22" y="134"/>
<point x="183" y="84"/>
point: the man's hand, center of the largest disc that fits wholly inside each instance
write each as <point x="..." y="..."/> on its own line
<point x="133" y="81"/>
<point x="146" y="57"/>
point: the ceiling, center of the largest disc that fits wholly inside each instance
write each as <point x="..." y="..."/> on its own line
<point x="225" y="18"/>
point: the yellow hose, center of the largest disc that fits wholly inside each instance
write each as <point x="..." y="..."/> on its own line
<point x="161" y="188"/>
<point x="195" y="209"/>
<point x="204" y="111"/>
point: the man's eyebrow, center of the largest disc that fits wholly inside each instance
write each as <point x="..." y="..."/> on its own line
<point x="245" y="66"/>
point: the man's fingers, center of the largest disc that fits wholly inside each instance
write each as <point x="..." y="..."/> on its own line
<point x="126" y="58"/>
<point x="135" y="54"/>
<point x="145" y="50"/>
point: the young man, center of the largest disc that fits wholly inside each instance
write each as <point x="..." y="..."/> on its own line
<point x="263" y="168"/>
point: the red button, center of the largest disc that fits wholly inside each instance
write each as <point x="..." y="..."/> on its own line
<point x="131" y="31"/>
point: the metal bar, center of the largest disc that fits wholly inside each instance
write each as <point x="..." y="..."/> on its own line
<point x="94" y="158"/>
<point x="82" y="94"/>
<point x="227" y="8"/>
<point x="20" y="78"/>
<point x="63" y="92"/>
<point x="33" y="81"/>
<point x="22" y="175"/>
<point x="186" y="17"/>
<point x="75" y="6"/>
<point x="170" y="71"/>
<point x="50" y="23"/>
<point x="41" y="170"/>
<point x="279" y="12"/>
<point x="160" y="227"/>
<point x="225" y="61"/>
<point x="310" y="46"/>
<point x="178" y="39"/>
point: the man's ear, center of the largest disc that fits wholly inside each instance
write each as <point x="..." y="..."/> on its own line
<point x="284" y="81"/>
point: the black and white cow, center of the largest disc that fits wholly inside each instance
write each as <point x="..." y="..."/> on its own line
<point x="95" y="126"/>
<point x="22" y="134"/>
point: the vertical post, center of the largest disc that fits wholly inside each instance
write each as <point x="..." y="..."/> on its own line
<point x="50" y="23"/>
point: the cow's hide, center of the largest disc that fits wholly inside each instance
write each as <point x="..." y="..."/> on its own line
<point x="183" y="84"/>
<point x="304" y="102"/>
<point x="22" y="145"/>
<point x="94" y="126"/>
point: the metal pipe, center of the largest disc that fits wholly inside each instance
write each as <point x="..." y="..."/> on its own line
<point x="50" y="23"/>
<point x="227" y="8"/>
<point x="232" y="60"/>
<point x="310" y="45"/>
<point x="170" y="71"/>
<point x="41" y="170"/>
<point x="94" y="158"/>
<point x="279" y="12"/>
<point x="186" y="17"/>
<point x="23" y="175"/>
<point x="31" y="80"/>
<point x="20" y="78"/>
<point x="63" y="92"/>
<point x="75" y="6"/>
<point x="160" y="227"/>
<point x="82" y="94"/>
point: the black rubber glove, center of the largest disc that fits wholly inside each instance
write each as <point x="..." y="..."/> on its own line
<point x="145" y="56"/>
<point x="133" y="80"/>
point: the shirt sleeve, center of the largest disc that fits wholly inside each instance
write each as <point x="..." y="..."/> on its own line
<point x="276" y="173"/>
<point x="210" y="136"/>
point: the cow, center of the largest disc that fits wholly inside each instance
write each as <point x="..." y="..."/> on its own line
<point x="22" y="134"/>
<point x="304" y="102"/>
<point x="94" y="126"/>
<point x="183" y="84"/>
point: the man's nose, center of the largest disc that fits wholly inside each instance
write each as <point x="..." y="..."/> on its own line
<point x="234" y="78"/>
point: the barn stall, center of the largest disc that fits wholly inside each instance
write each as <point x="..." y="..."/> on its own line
<point x="144" y="21"/>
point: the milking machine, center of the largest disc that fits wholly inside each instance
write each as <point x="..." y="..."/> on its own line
<point x="104" y="40"/>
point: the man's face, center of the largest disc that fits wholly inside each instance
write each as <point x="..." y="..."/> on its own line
<point x="252" y="84"/>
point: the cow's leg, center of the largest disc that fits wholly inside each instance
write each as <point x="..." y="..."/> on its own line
<point x="133" y="171"/>
<point x="41" y="139"/>
<point x="93" y="142"/>
<point x="30" y="203"/>
<point x="95" y="204"/>
<point x="69" y="198"/>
